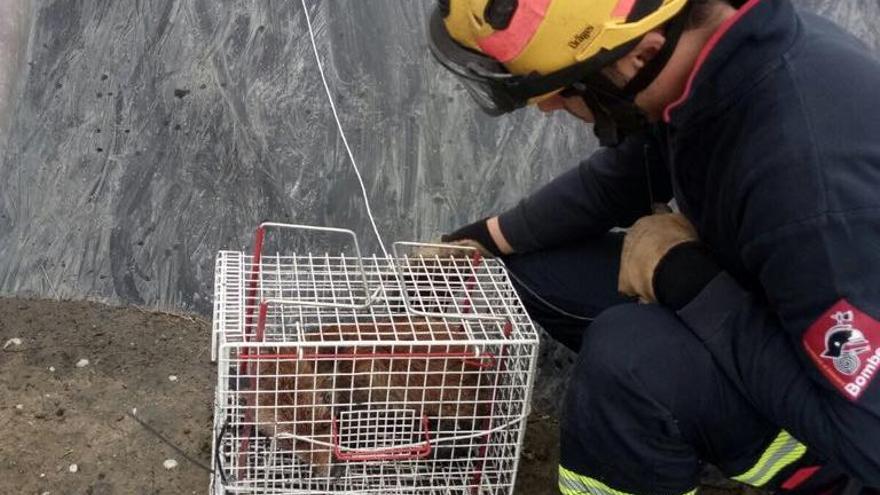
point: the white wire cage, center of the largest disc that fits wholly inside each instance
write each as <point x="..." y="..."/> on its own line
<point x="410" y="373"/>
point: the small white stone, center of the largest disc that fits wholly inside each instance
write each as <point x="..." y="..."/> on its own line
<point x="134" y="411"/>
<point x="170" y="464"/>
<point x="42" y="475"/>
<point x="73" y="468"/>
<point x="52" y="369"/>
<point x="172" y="378"/>
<point x="19" y="406"/>
<point x="82" y="363"/>
<point x="13" y="341"/>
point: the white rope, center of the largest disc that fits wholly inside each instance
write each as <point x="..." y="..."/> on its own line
<point x="364" y="189"/>
<point x="342" y="132"/>
<point x="543" y="301"/>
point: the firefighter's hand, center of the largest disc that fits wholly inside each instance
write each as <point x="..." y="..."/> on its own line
<point x="484" y="235"/>
<point x="646" y="243"/>
<point x="456" y="249"/>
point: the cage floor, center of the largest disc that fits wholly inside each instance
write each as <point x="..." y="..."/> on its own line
<point x="267" y="469"/>
<point x="272" y="472"/>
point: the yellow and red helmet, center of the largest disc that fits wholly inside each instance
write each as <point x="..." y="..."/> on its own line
<point x="513" y="52"/>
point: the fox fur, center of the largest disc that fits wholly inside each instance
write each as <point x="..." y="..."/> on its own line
<point x="298" y="396"/>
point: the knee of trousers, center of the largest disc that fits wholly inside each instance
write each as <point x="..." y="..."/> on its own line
<point x="526" y="285"/>
<point x="633" y="365"/>
<point x="638" y="341"/>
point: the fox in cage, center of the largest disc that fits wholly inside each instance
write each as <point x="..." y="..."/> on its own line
<point x="380" y="391"/>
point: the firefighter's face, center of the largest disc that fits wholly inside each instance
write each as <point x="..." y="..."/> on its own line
<point x="619" y="73"/>
<point x="572" y="104"/>
<point x="669" y="85"/>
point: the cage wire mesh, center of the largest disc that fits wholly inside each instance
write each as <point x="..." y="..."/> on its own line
<point x="410" y="373"/>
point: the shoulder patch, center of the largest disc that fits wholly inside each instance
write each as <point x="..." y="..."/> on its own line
<point x="845" y="344"/>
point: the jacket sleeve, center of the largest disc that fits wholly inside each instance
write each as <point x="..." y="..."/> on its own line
<point x="809" y="271"/>
<point x="807" y="355"/>
<point x="610" y="189"/>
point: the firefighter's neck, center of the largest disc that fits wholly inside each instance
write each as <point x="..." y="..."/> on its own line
<point x="668" y="86"/>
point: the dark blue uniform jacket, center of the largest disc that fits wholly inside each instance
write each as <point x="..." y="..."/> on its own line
<point x="773" y="153"/>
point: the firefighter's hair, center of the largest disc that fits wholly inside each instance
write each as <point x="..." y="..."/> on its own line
<point x="703" y="11"/>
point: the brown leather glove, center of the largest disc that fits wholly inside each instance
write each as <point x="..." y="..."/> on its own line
<point x="646" y="243"/>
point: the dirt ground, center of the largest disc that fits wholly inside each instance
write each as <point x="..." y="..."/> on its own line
<point x="55" y="414"/>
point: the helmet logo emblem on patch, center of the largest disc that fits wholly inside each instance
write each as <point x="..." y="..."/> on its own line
<point x="846" y="351"/>
<point x="844" y="343"/>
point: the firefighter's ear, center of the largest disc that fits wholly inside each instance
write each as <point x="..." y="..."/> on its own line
<point x="626" y="68"/>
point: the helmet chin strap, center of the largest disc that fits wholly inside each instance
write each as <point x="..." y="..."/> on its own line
<point x="616" y="116"/>
<point x="614" y="108"/>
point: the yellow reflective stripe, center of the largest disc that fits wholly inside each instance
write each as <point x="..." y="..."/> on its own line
<point x="571" y="483"/>
<point x="782" y="452"/>
<point x="566" y="491"/>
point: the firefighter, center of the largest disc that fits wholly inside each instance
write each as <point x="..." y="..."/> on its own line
<point x="742" y="331"/>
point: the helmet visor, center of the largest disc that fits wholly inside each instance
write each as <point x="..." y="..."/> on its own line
<point x="496" y="90"/>
<point x="489" y="84"/>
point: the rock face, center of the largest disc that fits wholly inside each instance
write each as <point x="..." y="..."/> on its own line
<point x="141" y="138"/>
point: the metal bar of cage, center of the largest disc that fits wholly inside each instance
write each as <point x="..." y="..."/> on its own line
<point x="486" y="435"/>
<point x="406" y="452"/>
<point x="483" y="448"/>
<point x="483" y="360"/>
<point x="469" y="302"/>
<point x="406" y="300"/>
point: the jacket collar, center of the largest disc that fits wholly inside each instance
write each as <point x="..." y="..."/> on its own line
<point x="736" y="55"/>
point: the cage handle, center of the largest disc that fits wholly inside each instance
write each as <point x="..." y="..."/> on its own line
<point x="467" y="314"/>
<point x="259" y="237"/>
<point x="433" y="441"/>
<point x="405" y="452"/>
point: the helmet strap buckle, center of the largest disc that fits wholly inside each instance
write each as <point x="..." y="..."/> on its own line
<point x="616" y="115"/>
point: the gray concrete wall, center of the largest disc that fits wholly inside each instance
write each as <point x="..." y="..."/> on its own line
<point x="15" y="26"/>
<point x="150" y="134"/>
